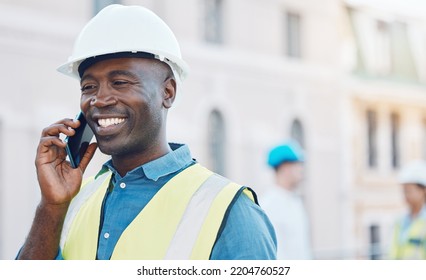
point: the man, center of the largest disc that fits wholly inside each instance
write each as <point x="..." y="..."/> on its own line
<point x="284" y="207"/>
<point x="409" y="238"/>
<point x="151" y="200"/>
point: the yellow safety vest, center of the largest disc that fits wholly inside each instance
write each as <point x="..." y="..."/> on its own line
<point x="182" y="221"/>
<point x="412" y="246"/>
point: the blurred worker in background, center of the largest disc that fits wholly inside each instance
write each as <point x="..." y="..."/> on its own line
<point x="284" y="206"/>
<point x="409" y="239"/>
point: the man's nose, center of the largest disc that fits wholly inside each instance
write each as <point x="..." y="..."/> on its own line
<point x="104" y="97"/>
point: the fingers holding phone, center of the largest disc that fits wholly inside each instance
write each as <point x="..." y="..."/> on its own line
<point x="77" y="144"/>
<point x="51" y="147"/>
<point x="59" y="180"/>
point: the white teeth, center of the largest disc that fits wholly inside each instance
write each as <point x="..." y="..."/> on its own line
<point x="110" y="121"/>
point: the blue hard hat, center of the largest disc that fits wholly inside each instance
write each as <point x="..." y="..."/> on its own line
<point x="288" y="152"/>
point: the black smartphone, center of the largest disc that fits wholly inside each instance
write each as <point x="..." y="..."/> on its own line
<point x="78" y="143"/>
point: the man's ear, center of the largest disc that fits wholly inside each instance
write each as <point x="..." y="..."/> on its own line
<point x="169" y="92"/>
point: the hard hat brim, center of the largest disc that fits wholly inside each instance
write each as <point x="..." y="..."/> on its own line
<point x="71" y="68"/>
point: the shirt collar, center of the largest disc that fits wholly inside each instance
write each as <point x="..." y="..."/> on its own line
<point x="407" y="217"/>
<point x="177" y="159"/>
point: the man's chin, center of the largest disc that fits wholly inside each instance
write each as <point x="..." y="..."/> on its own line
<point x="106" y="149"/>
<point x="112" y="150"/>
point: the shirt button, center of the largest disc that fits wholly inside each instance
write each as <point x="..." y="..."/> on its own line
<point x="106" y="235"/>
<point x="122" y="185"/>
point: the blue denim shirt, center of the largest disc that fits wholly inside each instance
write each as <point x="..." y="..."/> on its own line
<point x="247" y="234"/>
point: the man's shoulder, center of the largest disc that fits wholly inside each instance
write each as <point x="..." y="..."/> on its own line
<point x="247" y="233"/>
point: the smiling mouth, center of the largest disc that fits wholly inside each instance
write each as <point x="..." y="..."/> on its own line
<point x="110" y="122"/>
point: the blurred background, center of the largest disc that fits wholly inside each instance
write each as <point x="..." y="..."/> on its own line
<point x="346" y="79"/>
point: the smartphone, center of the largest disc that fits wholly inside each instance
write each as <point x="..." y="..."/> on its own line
<point x="78" y="143"/>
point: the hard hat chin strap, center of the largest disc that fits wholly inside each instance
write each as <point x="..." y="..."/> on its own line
<point x="92" y="60"/>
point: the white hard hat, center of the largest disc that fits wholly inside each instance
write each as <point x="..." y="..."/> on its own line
<point x="126" y="29"/>
<point x="414" y="173"/>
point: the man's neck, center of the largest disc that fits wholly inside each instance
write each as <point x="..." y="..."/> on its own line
<point x="415" y="210"/>
<point x="125" y="163"/>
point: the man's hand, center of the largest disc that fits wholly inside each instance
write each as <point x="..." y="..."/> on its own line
<point x="59" y="182"/>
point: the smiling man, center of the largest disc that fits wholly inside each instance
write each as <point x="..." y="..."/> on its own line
<point x="151" y="200"/>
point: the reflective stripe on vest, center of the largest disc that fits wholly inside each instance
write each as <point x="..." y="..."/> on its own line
<point x="81" y="239"/>
<point x="414" y="244"/>
<point x="87" y="190"/>
<point x="181" y="221"/>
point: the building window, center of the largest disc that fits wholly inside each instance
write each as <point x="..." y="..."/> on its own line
<point x="100" y="4"/>
<point x="383" y="49"/>
<point x="372" y="138"/>
<point x="395" y="140"/>
<point x="375" y="246"/>
<point x="293" y="34"/>
<point x="402" y="56"/>
<point x="297" y="133"/>
<point x="216" y="142"/>
<point x="213" y="17"/>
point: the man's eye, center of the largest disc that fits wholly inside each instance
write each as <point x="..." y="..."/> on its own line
<point x="86" y="88"/>
<point x="120" y="83"/>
